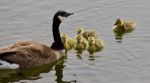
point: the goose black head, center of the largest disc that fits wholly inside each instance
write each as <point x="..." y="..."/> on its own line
<point x="62" y="15"/>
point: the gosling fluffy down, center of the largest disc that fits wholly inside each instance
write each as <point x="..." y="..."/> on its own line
<point x="87" y="33"/>
<point x="123" y="25"/>
<point x="67" y="41"/>
<point x="81" y="43"/>
<point x="95" y="44"/>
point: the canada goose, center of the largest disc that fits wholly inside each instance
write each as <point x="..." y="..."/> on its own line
<point x="67" y="41"/>
<point x="27" y="54"/>
<point x="87" y="33"/>
<point x="123" y="25"/>
<point x="95" y="45"/>
<point x="81" y="43"/>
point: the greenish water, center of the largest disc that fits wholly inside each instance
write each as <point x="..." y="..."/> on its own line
<point x="124" y="62"/>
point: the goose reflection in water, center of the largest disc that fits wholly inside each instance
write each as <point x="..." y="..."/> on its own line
<point x="59" y="73"/>
<point x="24" y="74"/>
<point x="7" y="76"/>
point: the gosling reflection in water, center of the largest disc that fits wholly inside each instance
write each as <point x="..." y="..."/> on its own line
<point x="79" y="56"/>
<point x="121" y="27"/>
<point x="119" y="36"/>
<point x="91" y="58"/>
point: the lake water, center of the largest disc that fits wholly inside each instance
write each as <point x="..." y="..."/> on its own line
<point x="125" y="62"/>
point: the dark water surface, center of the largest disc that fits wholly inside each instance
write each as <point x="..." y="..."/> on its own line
<point x="125" y="62"/>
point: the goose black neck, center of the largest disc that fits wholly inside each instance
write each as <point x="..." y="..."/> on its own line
<point x="57" y="45"/>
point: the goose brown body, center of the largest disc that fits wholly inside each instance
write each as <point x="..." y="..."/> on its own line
<point x="29" y="54"/>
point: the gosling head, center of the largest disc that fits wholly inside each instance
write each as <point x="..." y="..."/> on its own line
<point x="62" y="15"/>
<point x="119" y="21"/>
<point x="79" y="30"/>
<point x="79" y="38"/>
<point x="91" y="40"/>
<point x="64" y="37"/>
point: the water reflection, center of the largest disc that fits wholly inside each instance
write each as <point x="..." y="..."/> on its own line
<point x="34" y="73"/>
<point x="79" y="56"/>
<point x="23" y="74"/>
<point x="120" y="34"/>
<point x="91" y="52"/>
<point x="59" y="67"/>
<point x="91" y="56"/>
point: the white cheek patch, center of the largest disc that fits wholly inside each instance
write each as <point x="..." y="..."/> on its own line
<point x="62" y="18"/>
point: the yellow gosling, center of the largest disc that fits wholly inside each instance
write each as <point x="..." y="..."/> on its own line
<point x="95" y="45"/>
<point x="67" y="41"/>
<point x="87" y="33"/>
<point x="81" y="43"/>
<point x="123" y="25"/>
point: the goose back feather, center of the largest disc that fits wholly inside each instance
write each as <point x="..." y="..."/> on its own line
<point x="29" y="54"/>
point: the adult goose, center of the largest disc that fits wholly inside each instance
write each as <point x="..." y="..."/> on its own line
<point x="27" y="54"/>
